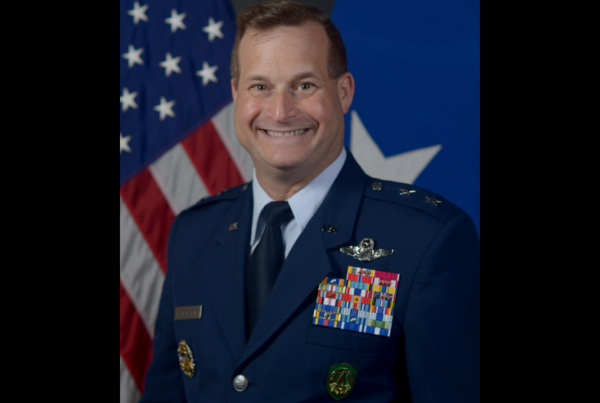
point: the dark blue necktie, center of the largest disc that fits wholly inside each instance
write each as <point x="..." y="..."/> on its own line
<point x="266" y="261"/>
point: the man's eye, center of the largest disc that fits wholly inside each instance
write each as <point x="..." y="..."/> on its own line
<point x="260" y="87"/>
<point x="305" y="86"/>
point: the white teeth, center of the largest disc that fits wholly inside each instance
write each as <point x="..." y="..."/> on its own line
<point x="281" y="134"/>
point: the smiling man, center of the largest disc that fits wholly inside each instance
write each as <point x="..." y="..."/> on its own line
<point x="315" y="282"/>
<point x="290" y="109"/>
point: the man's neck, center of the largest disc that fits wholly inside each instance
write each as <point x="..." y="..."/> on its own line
<point x="281" y="185"/>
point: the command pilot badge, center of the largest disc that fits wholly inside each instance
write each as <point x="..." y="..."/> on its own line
<point x="340" y="380"/>
<point x="365" y="251"/>
<point x="186" y="359"/>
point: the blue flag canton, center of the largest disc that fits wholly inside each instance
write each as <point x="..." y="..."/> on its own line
<point x="174" y="73"/>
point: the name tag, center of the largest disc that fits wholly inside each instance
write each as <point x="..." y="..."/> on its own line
<point x="188" y="312"/>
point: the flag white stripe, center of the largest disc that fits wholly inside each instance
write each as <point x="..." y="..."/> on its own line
<point x="178" y="178"/>
<point x="163" y="189"/>
<point x="141" y="274"/>
<point x="129" y="390"/>
<point x="223" y="123"/>
<point x="136" y="305"/>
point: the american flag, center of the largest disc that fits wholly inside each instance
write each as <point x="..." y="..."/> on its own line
<point x="177" y="145"/>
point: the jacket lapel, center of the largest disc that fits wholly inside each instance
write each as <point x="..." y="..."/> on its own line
<point x="225" y="272"/>
<point x="307" y="263"/>
<point x="340" y="207"/>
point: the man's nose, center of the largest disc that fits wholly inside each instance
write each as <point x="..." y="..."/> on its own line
<point x="282" y="106"/>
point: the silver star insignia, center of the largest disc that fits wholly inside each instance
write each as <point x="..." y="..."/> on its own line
<point x="432" y="201"/>
<point x="365" y="251"/>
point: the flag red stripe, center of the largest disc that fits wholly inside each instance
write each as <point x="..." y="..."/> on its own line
<point x="151" y="212"/>
<point x="136" y="345"/>
<point x="211" y="159"/>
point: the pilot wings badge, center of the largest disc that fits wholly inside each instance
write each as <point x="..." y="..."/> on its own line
<point x="365" y="251"/>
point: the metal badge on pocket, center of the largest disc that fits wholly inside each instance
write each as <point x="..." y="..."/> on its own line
<point x="186" y="359"/>
<point x="340" y="380"/>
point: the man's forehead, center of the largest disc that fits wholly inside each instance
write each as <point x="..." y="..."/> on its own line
<point x="305" y="45"/>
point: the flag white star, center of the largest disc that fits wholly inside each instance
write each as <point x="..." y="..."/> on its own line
<point x="138" y="13"/>
<point x="176" y="20"/>
<point x="213" y="29"/>
<point x="133" y="56"/>
<point x="165" y="108"/>
<point x="405" y="167"/>
<point x="170" y="65"/>
<point x="128" y="99"/>
<point x="125" y="143"/>
<point x="207" y="73"/>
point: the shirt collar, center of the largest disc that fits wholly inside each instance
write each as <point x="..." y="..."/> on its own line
<point x="303" y="203"/>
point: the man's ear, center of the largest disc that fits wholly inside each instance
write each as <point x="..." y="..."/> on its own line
<point x="233" y="90"/>
<point x="346" y="90"/>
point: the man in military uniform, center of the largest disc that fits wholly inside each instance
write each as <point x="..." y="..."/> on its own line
<point x="314" y="282"/>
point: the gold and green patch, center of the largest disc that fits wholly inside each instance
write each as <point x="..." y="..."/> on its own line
<point x="340" y="380"/>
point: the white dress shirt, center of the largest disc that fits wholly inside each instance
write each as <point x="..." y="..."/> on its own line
<point x="303" y="203"/>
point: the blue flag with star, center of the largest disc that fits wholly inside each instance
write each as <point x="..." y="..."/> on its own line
<point x="415" y="117"/>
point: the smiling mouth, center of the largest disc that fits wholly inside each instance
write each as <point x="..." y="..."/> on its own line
<point x="285" y="134"/>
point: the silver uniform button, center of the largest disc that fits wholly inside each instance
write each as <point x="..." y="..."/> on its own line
<point x="240" y="383"/>
<point x="377" y="186"/>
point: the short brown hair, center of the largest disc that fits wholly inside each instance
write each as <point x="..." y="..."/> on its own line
<point x="271" y="14"/>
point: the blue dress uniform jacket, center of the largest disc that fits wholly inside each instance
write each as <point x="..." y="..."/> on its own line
<point x="432" y="354"/>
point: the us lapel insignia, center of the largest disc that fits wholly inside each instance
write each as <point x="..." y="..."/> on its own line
<point x="340" y="380"/>
<point x="365" y="251"/>
<point x="186" y="359"/>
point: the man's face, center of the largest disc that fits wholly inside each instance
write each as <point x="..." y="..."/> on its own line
<point x="289" y="115"/>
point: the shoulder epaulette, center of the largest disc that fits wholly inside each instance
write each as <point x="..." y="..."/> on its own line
<point x="412" y="196"/>
<point x="225" y="194"/>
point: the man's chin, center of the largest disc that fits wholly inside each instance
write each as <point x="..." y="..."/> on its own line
<point x="286" y="166"/>
<point x="283" y="164"/>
